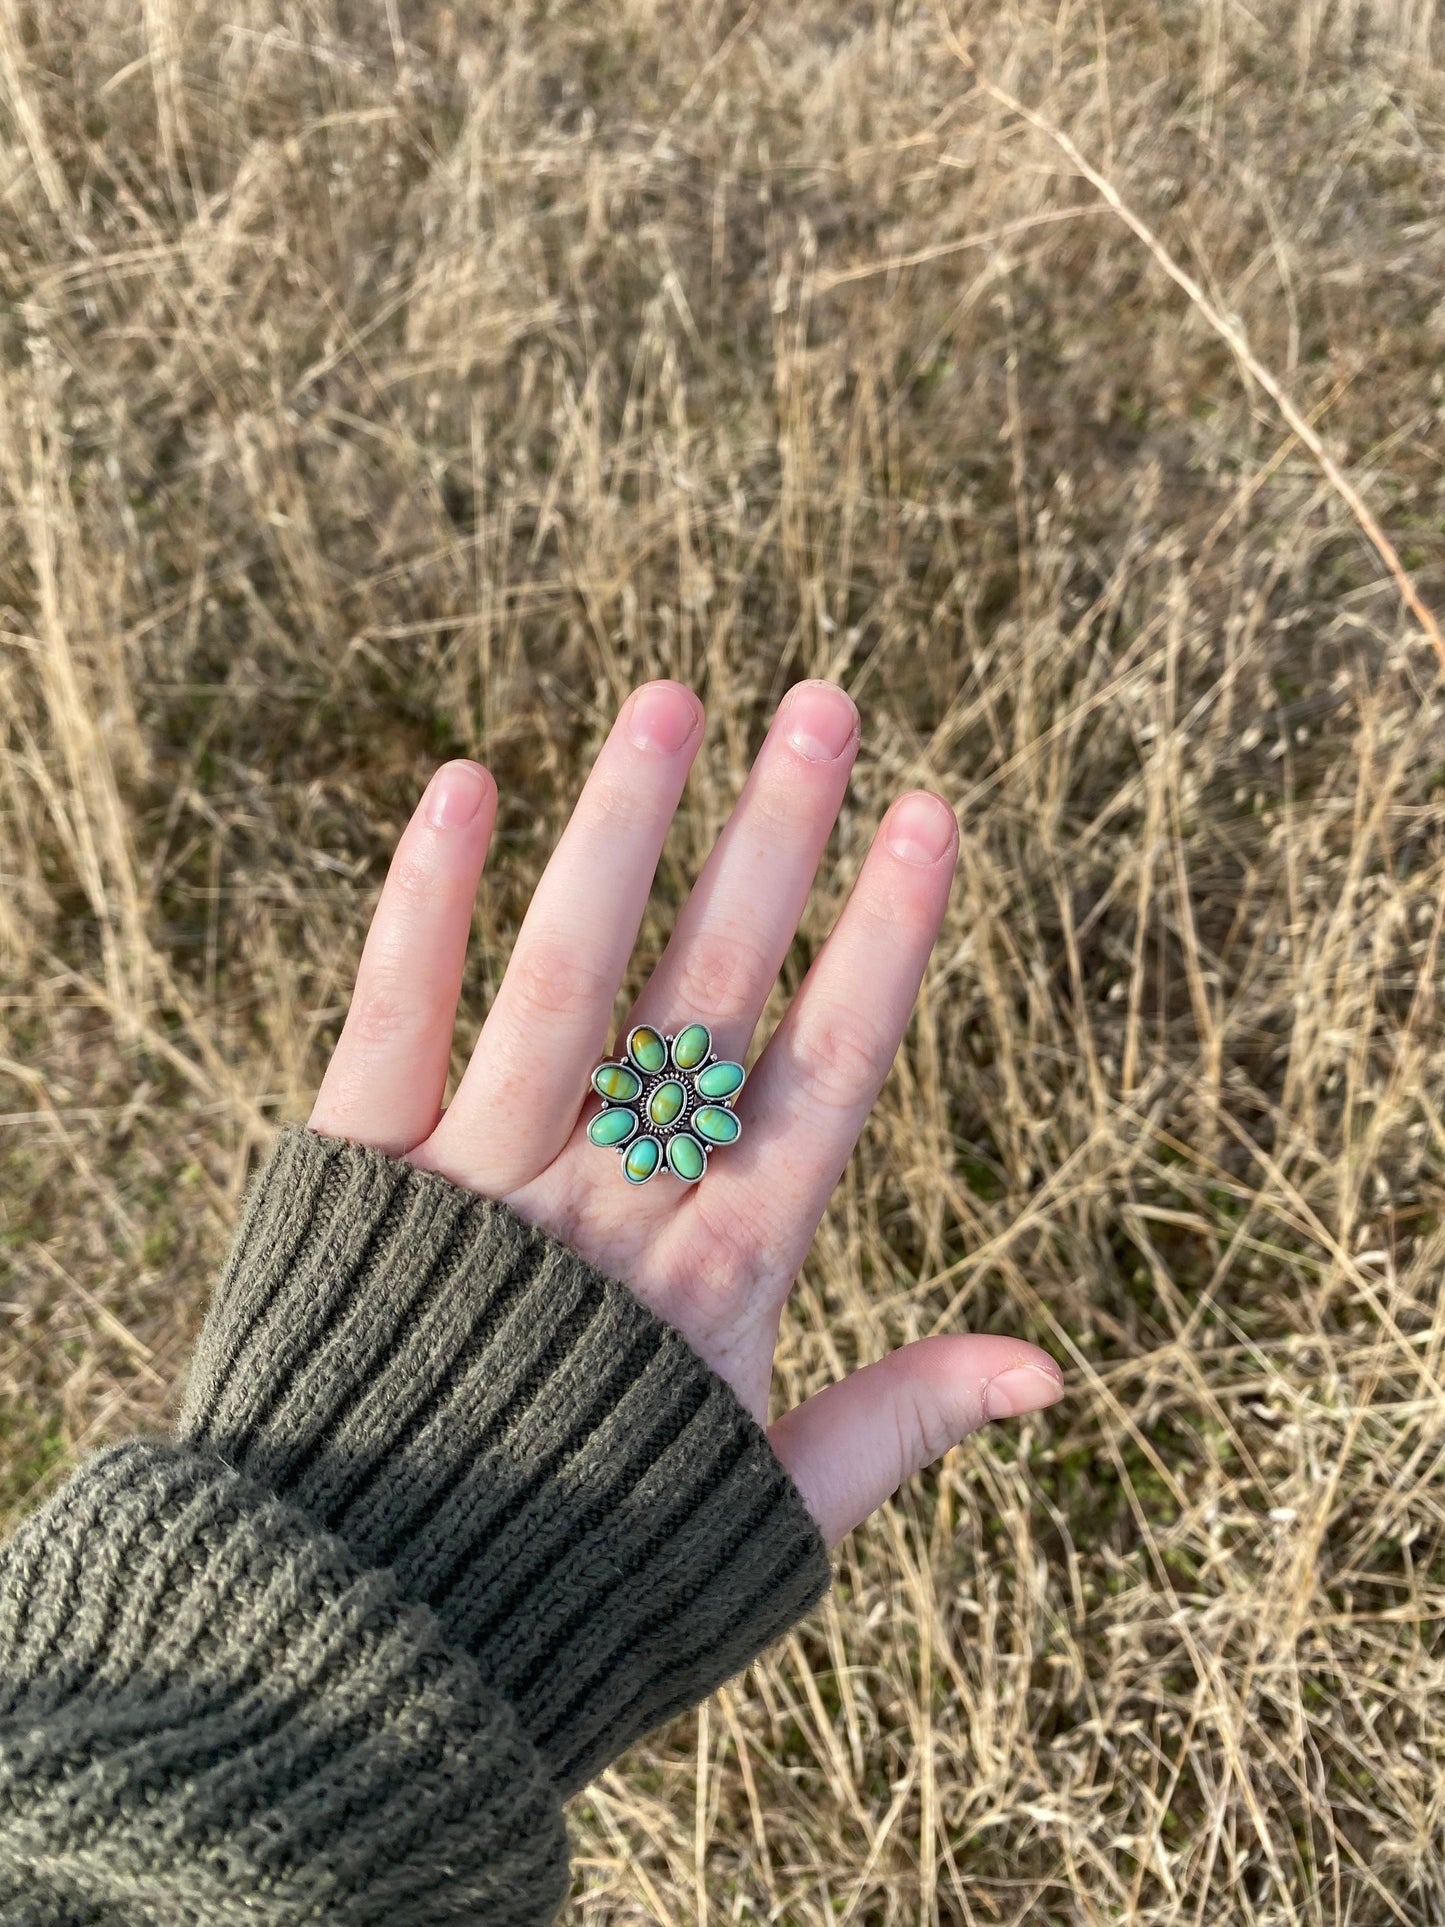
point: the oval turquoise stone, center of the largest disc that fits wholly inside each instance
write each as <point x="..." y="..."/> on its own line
<point x="666" y="1101"/>
<point x="646" y="1048"/>
<point x="690" y="1046"/>
<point x="685" y="1157"/>
<point x="642" y="1160"/>
<point x="612" y="1127"/>
<point x="717" y="1125"/>
<point x="720" y="1080"/>
<point x="617" y="1081"/>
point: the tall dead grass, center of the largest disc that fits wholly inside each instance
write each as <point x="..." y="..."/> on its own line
<point x="380" y="383"/>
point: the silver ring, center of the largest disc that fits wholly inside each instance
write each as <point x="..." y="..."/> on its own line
<point x="667" y="1102"/>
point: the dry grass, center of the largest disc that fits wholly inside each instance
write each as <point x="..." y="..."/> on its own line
<point x="381" y="382"/>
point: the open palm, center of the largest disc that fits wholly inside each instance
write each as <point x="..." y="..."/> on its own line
<point x="716" y="1260"/>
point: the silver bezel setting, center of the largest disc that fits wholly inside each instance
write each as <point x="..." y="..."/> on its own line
<point x="649" y="1082"/>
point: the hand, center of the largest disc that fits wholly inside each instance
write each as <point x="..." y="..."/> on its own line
<point x="715" y="1260"/>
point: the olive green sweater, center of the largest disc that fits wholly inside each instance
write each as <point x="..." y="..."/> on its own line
<point x="450" y="1519"/>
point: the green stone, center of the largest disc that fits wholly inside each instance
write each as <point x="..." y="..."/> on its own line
<point x="617" y="1081"/>
<point x="719" y="1080"/>
<point x="612" y="1127"/>
<point x="685" y="1157"/>
<point x="717" y="1125"/>
<point x="666" y="1101"/>
<point x="690" y="1046"/>
<point x="646" y="1048"/>
<point x="642" y="1160"/>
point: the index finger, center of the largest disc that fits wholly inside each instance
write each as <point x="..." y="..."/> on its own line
<point x="387" y="1076"/>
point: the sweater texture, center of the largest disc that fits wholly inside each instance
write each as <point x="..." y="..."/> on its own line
<point x="449" y="1520"/>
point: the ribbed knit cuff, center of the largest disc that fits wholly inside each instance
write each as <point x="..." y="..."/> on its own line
<point x="586" y="1506"/>
<point x="209" y="1713"/>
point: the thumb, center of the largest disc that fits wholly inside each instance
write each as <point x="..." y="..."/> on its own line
<point x="850" y="1446"/>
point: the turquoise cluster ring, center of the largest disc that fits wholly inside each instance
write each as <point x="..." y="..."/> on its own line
<point x="666" y="1103"/>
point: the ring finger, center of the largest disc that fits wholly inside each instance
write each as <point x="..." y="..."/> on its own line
<point x="825" y="1064"/>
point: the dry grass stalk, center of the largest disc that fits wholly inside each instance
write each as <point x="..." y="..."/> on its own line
<point x="379" y="384"/>
<point x="1229" y="331"/>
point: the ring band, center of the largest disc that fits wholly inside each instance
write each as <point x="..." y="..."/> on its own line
<point x="666" y="1101"/>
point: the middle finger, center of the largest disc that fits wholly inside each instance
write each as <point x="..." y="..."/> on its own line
<point x="518" y="1100"/>
<point x="728" y="945"/>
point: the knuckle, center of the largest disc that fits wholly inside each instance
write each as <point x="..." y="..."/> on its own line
<point x="719" y="975"/>
<point x="621" y="806"/>
<point x="921" y="1433"/>
<point x="773" y="806"/>
<point x="411" y="879"/>
<point x="837" y="1057"/>
<point x="551" y="978"/>
<point x="383" y="1013"/>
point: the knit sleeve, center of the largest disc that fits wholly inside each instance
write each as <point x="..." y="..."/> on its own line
<point x="211" y="1714"/>
<point x="451" y="1519"/>
<point x="587" y="1509"/>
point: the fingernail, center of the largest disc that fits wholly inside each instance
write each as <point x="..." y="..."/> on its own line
<point x="921" y="829"/>
<point x="661" y="717"/>
<point x="455" y="794"/>
<point x="821" y="721"/>
<point x="1024" y="1388"/>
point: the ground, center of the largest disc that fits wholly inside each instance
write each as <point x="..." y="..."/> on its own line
<point x="381" y="383"/>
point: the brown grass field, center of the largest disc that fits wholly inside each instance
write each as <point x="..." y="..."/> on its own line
<point x="381" y="382"/>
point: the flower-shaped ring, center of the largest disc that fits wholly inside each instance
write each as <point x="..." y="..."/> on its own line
<point x="666" y="1100"/>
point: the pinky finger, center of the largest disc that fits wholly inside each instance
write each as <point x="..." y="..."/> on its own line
<point x="385" y="1083"/>
<point x="850" y="1446"/>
